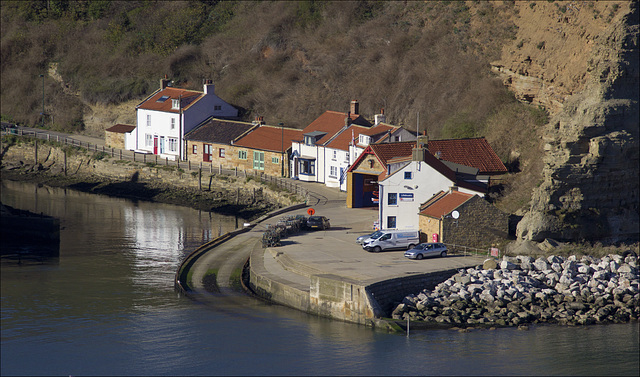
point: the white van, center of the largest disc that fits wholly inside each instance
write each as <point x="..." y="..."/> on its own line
<point x="392" y="239"/>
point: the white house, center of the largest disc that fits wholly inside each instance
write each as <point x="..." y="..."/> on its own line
<point x="402" y="192"/>
<point x="168" y="114"/>
<point x="311" y="161"/>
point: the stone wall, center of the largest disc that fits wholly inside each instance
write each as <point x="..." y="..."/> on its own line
<point x="480" y="225"/>
<point x="81" y="162"/>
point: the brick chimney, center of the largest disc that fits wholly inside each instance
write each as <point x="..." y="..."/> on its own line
<point x="355" y="107"/>
<point x="164" y="82"/>
<point x="417" y="154"/>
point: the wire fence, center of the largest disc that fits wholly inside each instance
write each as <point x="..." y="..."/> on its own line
<point x="147" y="158"/>
<point x="468" y="250"/>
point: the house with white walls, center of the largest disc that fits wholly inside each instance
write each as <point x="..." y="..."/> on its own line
<point x="311" y="161"/>
<point x="164" y="117"/>
<point x="402" y="192"/>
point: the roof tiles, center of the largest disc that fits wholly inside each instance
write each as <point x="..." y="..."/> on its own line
<point x="187" y="97"/>
<point x="332" y="122"/>
<point x="219" y="131"/>
<point x="475" y="153"/>
<point x="270" y="138"/>
<point x="445" y="204"/>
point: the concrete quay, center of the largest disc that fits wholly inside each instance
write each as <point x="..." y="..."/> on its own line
<point x="326" y="273"/>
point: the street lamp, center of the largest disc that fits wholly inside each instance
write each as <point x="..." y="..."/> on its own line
<point x="282" y="149"/>
<point x="42" y="100"/>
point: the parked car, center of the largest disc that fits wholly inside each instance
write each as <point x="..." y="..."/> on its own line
<point x="360" y="240"/>
<point x="392" y="239"/>
<point x="428" y="249"/>
<point x="318" y="222"/>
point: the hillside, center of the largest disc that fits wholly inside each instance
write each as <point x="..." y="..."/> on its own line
<point x="474" y="68"/>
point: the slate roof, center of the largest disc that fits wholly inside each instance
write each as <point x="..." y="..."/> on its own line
<point x="121" y="128"/>
<point x="444" y="204"/>
<point x="475" y="152"/>
<point x="214" y="130"/>
<point x="332" y="122"/>
<point x="269" y="138"/>
<point x="187" y="98"/>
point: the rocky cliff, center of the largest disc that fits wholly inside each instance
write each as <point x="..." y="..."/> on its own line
<point x="581" y="62"/>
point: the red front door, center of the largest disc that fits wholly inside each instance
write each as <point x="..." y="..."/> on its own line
<point x="155" y="145"/>
<point x="207" y="152"/>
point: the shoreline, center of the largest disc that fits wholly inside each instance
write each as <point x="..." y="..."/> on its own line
<point x="209" y="201"/>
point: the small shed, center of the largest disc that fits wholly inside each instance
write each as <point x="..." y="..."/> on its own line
<point x="463" y="219"/>
<point x="120" y="136"/>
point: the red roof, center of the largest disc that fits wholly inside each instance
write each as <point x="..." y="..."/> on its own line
<point x="476" y="153"/>
<point x="121" y="128"/>
<point x="332" y="122"/>
<point x="445" y="204"/>
<point x="342" y="141"/>
<point x="269" y="138"/>
<point x="388" y="151"/>
<point x="187" y="97"/>
<point x="379" y="129"/>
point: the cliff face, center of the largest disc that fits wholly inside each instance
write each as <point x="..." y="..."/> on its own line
<point x="587" y="76"/>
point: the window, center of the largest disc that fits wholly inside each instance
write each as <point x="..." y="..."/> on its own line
<point x="175" y="104"/>
<point x="275" y="160"/>
<point x="173" y="123"/>
<point x="392" y="199"/>
<point x="148" y="140"/>
<point x="258" y="160"/>
<point x="307" y="167"/>
<point x="309" y="140"/>
<point x="242" y="155"/>
<point x="396" y="138"/>
<point x="335" y="155"/>
<point x="407" y="175"/>
<point x="346" y="157"/>
<point x="207" y="151"/>
<point x="195" y="149"/>
<point x="161" y="144"/>
<point x="148" y="120"/>
<point x="221" y="152"/>
<point x="173" y="144"/>
<point x="217" y="107"/>
<point x="391" y="221"/>
<point x="333" y="172"/>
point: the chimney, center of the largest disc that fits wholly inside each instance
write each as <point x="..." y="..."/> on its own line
<point x="380" y="118"/>
<point x="417" y="154"/>
<point x="164" y="82"/>
<point x="453" y="188"/>
<point x="209" y="87"/>
<point x="355" y="107"/>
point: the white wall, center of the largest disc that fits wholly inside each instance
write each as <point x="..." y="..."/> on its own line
<point x="160" y="126"/>
<point x="428" y="181"/>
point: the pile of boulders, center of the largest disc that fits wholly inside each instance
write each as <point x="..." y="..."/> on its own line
<point x="521" y="290"/>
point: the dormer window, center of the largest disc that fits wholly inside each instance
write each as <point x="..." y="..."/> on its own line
<point x="364" y="139"/>
<point x="175" y="104"/>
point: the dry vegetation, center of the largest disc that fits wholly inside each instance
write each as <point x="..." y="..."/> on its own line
<point x="286" y="61"/>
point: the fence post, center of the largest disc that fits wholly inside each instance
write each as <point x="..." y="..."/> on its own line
<point x="134" y="156"/>
<point x="178" y="162"/>
<point x="236" y="171"/>
<point x="121" y="154"/>
<point x="189" y="164"/>
<point x="219" y="168"/>
<point x="156" y="159"/>
<point x="36" y="151"/>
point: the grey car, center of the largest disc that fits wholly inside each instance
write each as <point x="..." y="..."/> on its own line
<point x="360" y="240"/>
<point x="428" y="249"/>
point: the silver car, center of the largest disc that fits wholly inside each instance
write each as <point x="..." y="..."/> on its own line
<point x="428" y="249"/>
<point x="360" y="240"/>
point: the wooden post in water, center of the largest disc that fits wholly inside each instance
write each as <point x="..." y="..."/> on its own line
<point x="65" y="161"/>
<point x="200" y="179"/>
<point x="36" y="151"/>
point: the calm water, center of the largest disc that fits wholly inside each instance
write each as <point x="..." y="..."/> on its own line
<point x="107" y="307"/>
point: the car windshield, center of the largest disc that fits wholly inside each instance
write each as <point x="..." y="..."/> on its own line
<point x="375" y="234"/>
<point x="315" y="218"/>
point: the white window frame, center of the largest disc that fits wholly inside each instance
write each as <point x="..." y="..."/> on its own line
<point x="148" y="120"/>
<point x="333" y="171"/>
<point x="173" y="123"/>
<point x="148" y="140"/>
<point x="173" y="144"/>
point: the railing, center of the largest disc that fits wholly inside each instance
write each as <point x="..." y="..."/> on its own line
<point x="147" y="158"/>
<point x="468" y="250"/>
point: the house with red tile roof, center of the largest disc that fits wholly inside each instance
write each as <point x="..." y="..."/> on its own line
<point x="330" y="146"/>
<point x="228" y="144"/>
<point x="472" y="152"/>
<point x="402" y="191"/>
<point x="459" y="218"/>
<point x="311" y="161"/>
<point x="266" y="149"/>
<point x="165" y="116"/>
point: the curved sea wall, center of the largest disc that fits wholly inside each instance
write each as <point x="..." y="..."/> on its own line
<point x="522" y="290"/>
